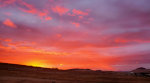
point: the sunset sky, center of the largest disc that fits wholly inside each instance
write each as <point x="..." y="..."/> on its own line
<point x="64" y="34"/>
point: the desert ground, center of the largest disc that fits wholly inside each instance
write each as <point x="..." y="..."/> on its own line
<point x="11" y="73"/>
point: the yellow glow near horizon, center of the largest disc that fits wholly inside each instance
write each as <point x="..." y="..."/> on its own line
<point x="36" y="64"/>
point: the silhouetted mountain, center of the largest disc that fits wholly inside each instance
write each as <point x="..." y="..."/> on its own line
<point x="13" y="73"/>
<point x="80" y="70"/>
<point x="141" y="71"/>
<point x="17" y="67"/>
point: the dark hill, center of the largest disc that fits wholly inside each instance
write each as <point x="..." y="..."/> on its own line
<point x="12" y="73"/>
<point x="17" y="67"/>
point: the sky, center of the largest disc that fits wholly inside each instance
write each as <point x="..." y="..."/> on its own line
<point x="94" y="34"/>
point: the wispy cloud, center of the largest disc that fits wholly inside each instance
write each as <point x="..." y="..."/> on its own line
<point x="97" y="34"/>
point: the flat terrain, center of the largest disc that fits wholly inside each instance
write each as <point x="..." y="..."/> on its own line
<point x="11" y="73"/>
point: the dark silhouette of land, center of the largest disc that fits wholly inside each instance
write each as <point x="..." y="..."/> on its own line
<point x="141" y="71"/>
<point x="12" y="73"/>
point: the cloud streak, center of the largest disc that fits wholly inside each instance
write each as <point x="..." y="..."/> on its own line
<point x="97" y="34"/>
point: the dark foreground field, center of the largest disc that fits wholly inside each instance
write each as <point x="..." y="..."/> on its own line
<point x="10" y="73"/>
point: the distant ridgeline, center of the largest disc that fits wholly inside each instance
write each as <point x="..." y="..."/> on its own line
<point x="141" y="72"/>
<point x="16" y="67"/>
<point x="79" y="69"/>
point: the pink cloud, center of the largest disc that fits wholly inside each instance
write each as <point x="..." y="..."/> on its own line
<point x="30" y="7"/>
<point x="6" y="2"/>
<point x="9" y="23"/>
<point x="76" y="24"/>
<point x="79" y="12"/>
<point x="48" y="18"/>
<point x="60" y="10"/>
<point x="106" y="34"/>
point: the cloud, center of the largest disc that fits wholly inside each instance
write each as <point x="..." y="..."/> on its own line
<point x="6" y="2"/>
<point x="131" y="62"/>
<point x="76" y="24"/>
<point x="48" y="18"/>
<point x="29" y="8"/>
<point x="108" y="33"/>
<point x="9" y="23"/>
<point x="60" y="10"/>
<point x="79" y="12"/>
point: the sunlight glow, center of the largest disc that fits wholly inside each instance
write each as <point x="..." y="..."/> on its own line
<point x="36" y="64"/>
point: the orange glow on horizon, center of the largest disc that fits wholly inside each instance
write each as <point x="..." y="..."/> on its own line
<point x="36" y="64"/>
<point x="66" y="34"/>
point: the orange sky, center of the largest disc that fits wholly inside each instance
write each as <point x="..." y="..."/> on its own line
<point x="94" y="34"/>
